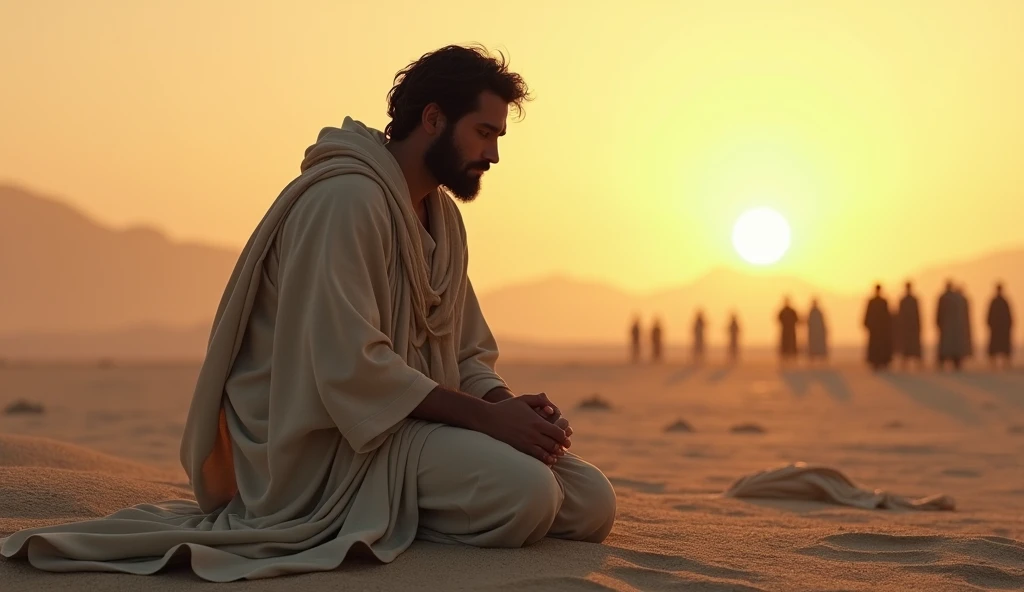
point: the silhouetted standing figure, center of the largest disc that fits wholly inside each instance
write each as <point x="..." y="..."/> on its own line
<point x="734" y="339"/>
<point x="656" y="340"/>
<point x="698" y="338"/>
<point x="952" y="329"/>
<point x="965" y="318"/>
<point x="909" y="321"/>
<point x="878" y="321"/>
<point x="1000" y="325"/>
<point x="897" y="332"/>
<point x="817" y="334"/>
<point x="634" y="336"/>
<point x="788" y="320"/>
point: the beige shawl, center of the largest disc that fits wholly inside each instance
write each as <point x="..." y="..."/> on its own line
<point x="352" y="150"/>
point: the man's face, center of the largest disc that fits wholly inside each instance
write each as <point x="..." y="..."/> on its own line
<point x="463" y="151"/>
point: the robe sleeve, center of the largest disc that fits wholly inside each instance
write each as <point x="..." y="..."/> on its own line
<point x="478" y="350"/>
<point x="334" y="282"/>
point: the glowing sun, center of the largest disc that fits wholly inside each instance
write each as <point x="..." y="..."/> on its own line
<point x="761" y="236"/>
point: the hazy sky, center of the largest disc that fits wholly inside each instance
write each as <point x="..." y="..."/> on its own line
<point x="890" y="134"/>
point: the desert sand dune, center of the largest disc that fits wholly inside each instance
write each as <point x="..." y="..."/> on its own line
<point x="108" y="438"/>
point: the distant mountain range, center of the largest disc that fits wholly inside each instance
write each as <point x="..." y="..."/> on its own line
<point x="61" y="271"/>
<point x="561" y="309"/>
<point x="71" y="287"/>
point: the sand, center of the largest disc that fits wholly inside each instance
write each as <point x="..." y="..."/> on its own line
<point x="109" y="438"/>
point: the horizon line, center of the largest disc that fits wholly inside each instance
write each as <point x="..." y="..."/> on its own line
<point x="206" y="242"/>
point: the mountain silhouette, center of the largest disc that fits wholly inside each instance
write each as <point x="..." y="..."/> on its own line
<point x="563" y="310"/>
<point x="63" y="272"/>
<point x="71" y="286"/>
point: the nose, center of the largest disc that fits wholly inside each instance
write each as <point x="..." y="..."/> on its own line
<point x="491" y="154"/>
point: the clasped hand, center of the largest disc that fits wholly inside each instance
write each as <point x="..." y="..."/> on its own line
<point x="531" y="424"/>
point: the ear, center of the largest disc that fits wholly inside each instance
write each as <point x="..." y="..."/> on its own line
<point x="432" y="119"/>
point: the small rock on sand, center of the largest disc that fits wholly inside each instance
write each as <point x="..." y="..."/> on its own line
<point x="747" y="428"/>
<point x="1016" y="429"/>
<point x="894" y="425"/>
<point x="680" y="425"/>
<point x="595" y="402"/>
<point x="21" y="406"/>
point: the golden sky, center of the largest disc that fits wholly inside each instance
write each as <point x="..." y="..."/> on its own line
<point x="890" y="134"/>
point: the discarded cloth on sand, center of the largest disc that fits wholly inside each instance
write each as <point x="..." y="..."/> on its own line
<point x="801" y="481"/>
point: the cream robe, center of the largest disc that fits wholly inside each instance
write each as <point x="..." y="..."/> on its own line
<point x="817" y="334"/>
<point x="331" y="331"/>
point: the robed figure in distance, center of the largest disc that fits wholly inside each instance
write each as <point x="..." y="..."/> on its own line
<point x="878" y="322"/>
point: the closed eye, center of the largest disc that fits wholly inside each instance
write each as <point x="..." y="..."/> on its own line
<point x="487" y="131"/>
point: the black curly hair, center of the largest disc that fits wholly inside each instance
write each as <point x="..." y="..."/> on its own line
<point x="453" y="77"/>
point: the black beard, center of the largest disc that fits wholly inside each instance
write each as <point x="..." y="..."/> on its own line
<point x="445" y="163"/>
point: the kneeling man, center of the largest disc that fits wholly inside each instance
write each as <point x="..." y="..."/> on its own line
<point x="348" y="399"/>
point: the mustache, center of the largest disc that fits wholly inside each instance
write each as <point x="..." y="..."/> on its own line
<point x="482" y="165"/>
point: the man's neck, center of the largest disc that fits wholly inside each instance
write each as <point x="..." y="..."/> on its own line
<point x="419" y="180"/>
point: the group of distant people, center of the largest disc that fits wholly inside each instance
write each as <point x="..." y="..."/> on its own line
<point x="891" y="332"/>
<point x="698" y="339"/>
<point x="817" y="333"/>
<point x="897" y="332"/>
<point x="656" y="340"/>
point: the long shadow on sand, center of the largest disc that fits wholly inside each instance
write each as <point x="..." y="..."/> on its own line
<point x="800" y="381"/>
<point x="574" y="371"/>
<point x="1007" y="388"/>
<point x="681" y="375"/>
<point x="720" y="374"/>
<point x="932" y="395"/>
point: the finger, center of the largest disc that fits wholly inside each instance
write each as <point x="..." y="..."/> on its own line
<point x="548" y="418"/>
<point x="554" y="408"/>
<point x="564" y="424"/>
<point x="544" y="407"/>
<point x="547" y="413"/>
<point x="535" y="401"/>
<point x="554" y="432"/>
<point x="542" y="455"/>
<point x="557" y="449"/>
<point x="546" y="403"/>
<point x="550" y="441"/>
